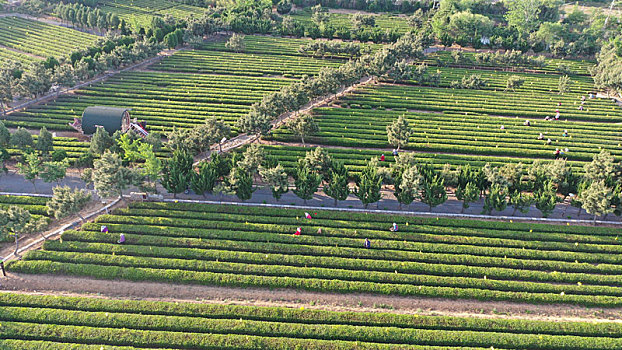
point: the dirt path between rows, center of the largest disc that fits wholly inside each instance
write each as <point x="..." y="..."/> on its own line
<point x="76" y="286"/>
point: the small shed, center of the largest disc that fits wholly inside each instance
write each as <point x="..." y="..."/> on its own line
<point x="110" y="118"/>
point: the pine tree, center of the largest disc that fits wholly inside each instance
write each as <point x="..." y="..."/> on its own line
<point x="45" y="142"/>
<point x="337" y="186"/>
<point x="409" y="187"/>
<point x="176" y="172"/>
<point x="434" y="192"/>
<point x="468" y="194"/>
<point x="241" y="182"/>
<point x="67" y="201"/>
<point x="545" y="199"/>
<point x="521" y="202"/>
<point x="369" y="184"/>
<point x="100" y="141"/>
<point x="306" y="182"/>
<point x="110" y="177"/>
<point x="277" y="179"/>
<point x="303" y="126"/>
<point x="597" y="199"/>
<point x="399" y="132"/>
<point x="5" y="135"/>
<point x="203" y="180"/>
<point x="495" y="199"/>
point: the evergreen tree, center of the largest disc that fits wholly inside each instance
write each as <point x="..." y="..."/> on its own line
<point x="597" y="198"/>
<point x="276" y="178"/>
<point x="601" y="168"/>
<point x="45" y="143"/>
<point x="409" y="186"/>
<point x="306" y="182"/>
<point x="54" y="171"/>
<point x="110" y="177"/>
<point x="368" y="184"/>
<point x="337" y="186"/>
<point x="545" y="199"/>
<point x="67" y="201"/>
<point x="176" y="172"/>
<point x="100" y="142"/>
<point x="495" y="199"/>
<point x="241" y="182"/>
<point x="21" y="139"/>
<point x="521" y="202"/>
<point x="5" y="135"/>
<point x="205" y="179"/>
<point x="467" y="194"/>
<point x="434" y="192"/>
<point x="399" y="132"/>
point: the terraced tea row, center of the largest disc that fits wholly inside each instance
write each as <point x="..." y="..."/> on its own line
<point x="42" y="39"/>
<point x="540" y="83"/>
<point x="551" y="65"/>
<point x="342" y="20"/>
<point x="462" y="134"/>
<point x="8" y="55"/>
<point x="355" y="159"/>
<point x="214" y="62"/>
<point x="254" y="246"/>
<point x="534" y="105"/>
<point x="260" y="44"/>
<point x="163" y="100"/>
<point x="139" y="13"/>
<point x="36" y="322"/>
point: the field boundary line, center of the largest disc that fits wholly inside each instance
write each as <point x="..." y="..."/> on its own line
<point x="61" y="229"/>
<point x="398" y="212"/>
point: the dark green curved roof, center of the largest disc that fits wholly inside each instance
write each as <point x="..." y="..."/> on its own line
<point x="111" y="118"/>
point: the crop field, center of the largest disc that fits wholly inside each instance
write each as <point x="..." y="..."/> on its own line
<point x="37" y="37"/>
<point x="45" y="322"/>
<point x="248" y="64"/>
<point x="8" y="55"/>
<point x="337" y="20"/>
<point x="254" y="246"/>
<point x="552" y="65"/>
<point x="457" y="125"/>
<point x="461" y="133"/>
<point x="355" y="159"/>
<point x="139" y="12"/>
<point x="496" y="80"/>
<point x="35" y="205"/>
<point x="224" y="86"/>
<point x="270" y="45"/>
<point x="163" y="100"/>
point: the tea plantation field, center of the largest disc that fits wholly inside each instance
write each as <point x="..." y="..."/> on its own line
<point x="338" y="20"/>
<point x="182" y="90"/>
<point x="140" y="12"/>
<point x="254" y="246"/>
<point x="455" y="126"/>
<point x="42" y="39"/>
<point x="44" y="322"/>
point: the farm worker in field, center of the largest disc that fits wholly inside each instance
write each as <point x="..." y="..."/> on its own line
<point x="548" y="141"/>
<point x="502" y="127"/>
<point x="581" y="107"/>
<point x="527" y="123"/>
<point x="104" y="229"/>
<point x="583" y="98"/>
<point x="547" y="118"/>
<point x="557" y="114"/>
<point x="367" y="243"/>
<point x="394" y="228"/>
<point x="559" y="104"/>
<point x="591" y="95"/>
<point x="121" y="239"/>
<point x="557" y="153"/>
<point x="307" y="216"/>
<point x="319" y="231"/>
<point x="540" y="137"/>
<point x="298" y="231"/>
<point x="565" y="134"/>
<point x="394" y="152"/>
<point x="382" y="158"/>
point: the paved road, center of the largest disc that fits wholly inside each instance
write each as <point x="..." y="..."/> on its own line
<point x="16" y="184"/>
